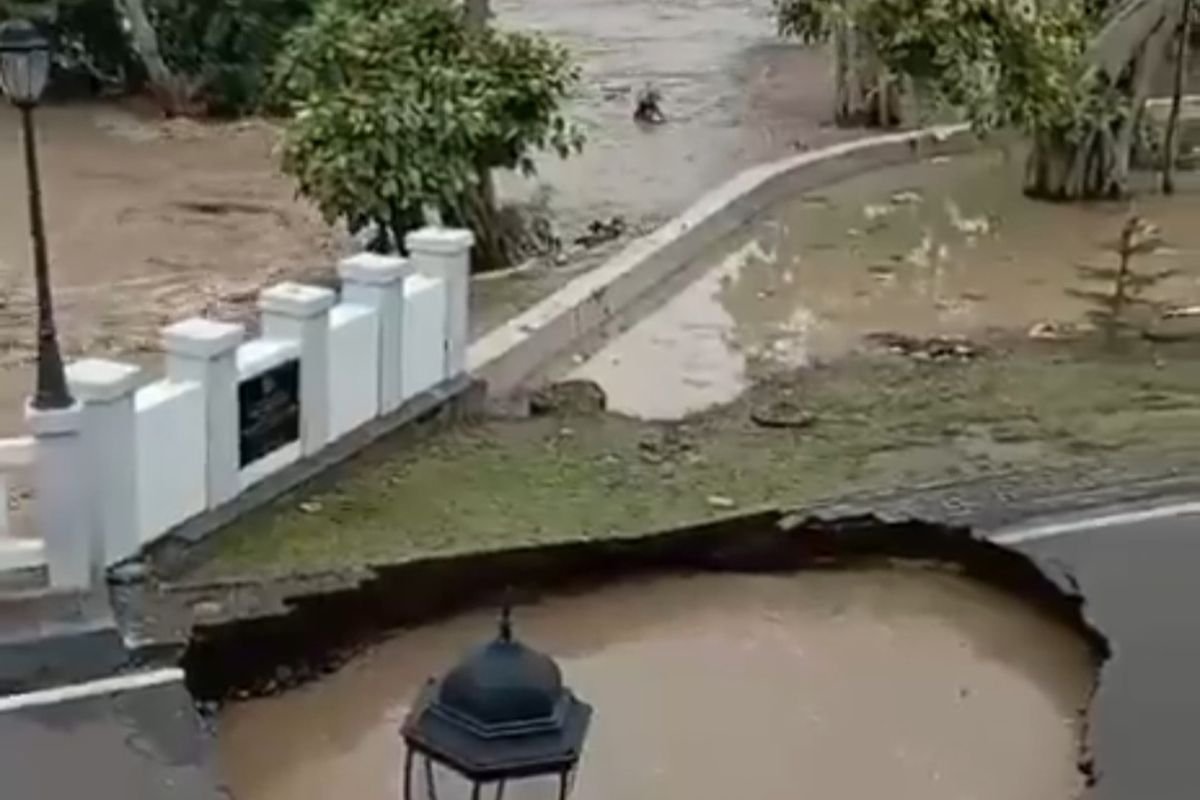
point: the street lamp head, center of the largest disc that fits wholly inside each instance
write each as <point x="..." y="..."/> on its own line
<point x="24" y="62"/>
<point x="503" y="720"/>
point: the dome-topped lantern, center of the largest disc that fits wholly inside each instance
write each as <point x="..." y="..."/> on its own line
<point x="500" y="717"/>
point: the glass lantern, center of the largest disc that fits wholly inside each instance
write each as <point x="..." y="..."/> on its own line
<point x="501" y="725"/>
<point x="24" y="62"/>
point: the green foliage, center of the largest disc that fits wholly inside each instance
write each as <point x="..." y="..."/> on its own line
<point x="810" y="21"/>
<point x="1121" y="286"/>
<point x="229" y="44"/>
<point x="87" y="38"/>
<point x="1003" y="63"/>
<point x="397" y="106"/>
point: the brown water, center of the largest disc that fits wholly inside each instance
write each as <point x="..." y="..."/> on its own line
<point x="899" y="684"/>
<point x="942" y="247"/>
<point x="733" y="92"/>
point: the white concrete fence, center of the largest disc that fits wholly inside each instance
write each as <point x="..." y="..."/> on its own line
<point x="132" y="460"/>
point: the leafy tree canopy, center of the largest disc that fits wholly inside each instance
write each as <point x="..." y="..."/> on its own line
<point x="396" y="106"/>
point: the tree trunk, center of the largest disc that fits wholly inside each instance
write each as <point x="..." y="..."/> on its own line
<point x="1170" y="144"/>
<point x="1095" y="166"/>
<point x="476" y="13"/>
<point x="173" y="92"/>
<point x="866" y="94"/>
<point x="482" y="211"/>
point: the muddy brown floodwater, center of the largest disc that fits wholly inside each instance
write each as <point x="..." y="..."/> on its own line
<point x="950" y="246"/>
<point x="899" y="683"/>
<point x="733" y="92"/>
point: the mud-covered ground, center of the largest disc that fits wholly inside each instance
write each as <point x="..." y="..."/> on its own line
<point x="941" y="247"/>
<point x="873" y="422"/>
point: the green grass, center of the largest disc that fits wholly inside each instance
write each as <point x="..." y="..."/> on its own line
<point x="880" y="422"/>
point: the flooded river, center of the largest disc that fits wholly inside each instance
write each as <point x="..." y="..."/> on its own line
<point x="898" y="684"/>
<point x="944" y="247"/>
<point x="733" y="92"/>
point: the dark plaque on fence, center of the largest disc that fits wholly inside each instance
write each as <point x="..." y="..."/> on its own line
<point x="268" y="411"/>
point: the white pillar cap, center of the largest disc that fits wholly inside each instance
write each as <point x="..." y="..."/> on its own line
<point x="99" y="380"/>
<point x="53" y="421"/>
<point x="297" y="300"/>
<point x="198" y="337"/>
<point x="373" y="269"/>
<point x="446" y="241"/>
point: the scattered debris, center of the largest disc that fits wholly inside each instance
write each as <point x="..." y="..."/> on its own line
<point x="972" y="226"/>
<point x="906" y="198"/>
<point x="649" y="110"/>
<point x="875" y="211"/>
<point x="1174" y="325"/>
<point x="310" y="507"/>
<point x="206" y="609"/>
<point x="1049" y="331"/>
<point x="129" y="573"/>
<point x="568" y="397"/>
<point x="720" y="501"/>
<point x="934" y="348"/>
<point x="600" y="231"/>
<point x="781" y="413"/>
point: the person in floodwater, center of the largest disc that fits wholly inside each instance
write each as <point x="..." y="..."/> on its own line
<point x="648" y="111"/>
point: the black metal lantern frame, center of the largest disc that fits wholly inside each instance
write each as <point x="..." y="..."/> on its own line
<point x="24" y="62"/>
<point x="500" y="717"/>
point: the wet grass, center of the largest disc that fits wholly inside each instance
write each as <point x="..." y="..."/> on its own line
<point x="879" y="422"/>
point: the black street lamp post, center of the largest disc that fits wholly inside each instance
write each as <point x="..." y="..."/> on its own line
<point x="24" y="71"/>
<point x="502" y="720"/>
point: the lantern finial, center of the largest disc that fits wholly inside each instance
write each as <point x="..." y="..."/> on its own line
<point x="506" y="633"/>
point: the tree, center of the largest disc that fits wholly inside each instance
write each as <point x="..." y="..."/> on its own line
<point x="1073" y="75"/>
<point x="1170" y="147"/>
<point x="867" y="93"/>
<point x="396" y="106"/>
<point x="194" y="56"/>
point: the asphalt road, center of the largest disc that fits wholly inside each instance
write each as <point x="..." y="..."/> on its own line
<point x="143" y="744"/>
<point x="1142" y="591"/>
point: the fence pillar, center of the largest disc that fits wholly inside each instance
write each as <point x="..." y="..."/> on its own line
<point x="445" y="253"/>
<point x="377" y="282"/>
<point x="301" y="313"/>
<point x="61" y="480"/>
<point x="204" y="350"/>
<point x="110" y="450"/>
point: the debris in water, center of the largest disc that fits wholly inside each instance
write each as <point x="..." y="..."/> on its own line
<point x="974" y="226"/>
<point x="905" y="198"/>
<point x="1051" y="331"/>
<point x="600" y="231"/>
<point x="648" y="110"/>
<point x="720" y="501"/>
<point x="310" y="507"/>
<point x="874" y="211"/>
